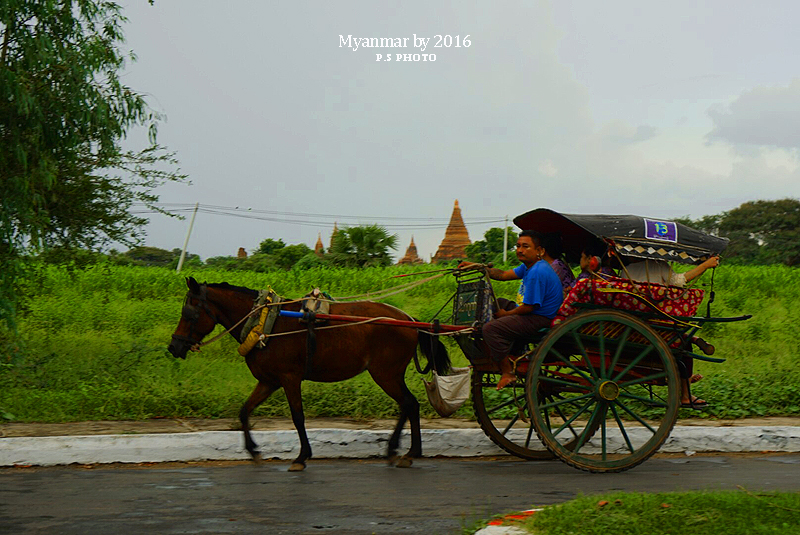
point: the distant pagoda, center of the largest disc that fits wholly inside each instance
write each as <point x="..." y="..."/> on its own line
<point x="318" y="248"/>
<point x="333" y="235"/>
<point x="456" y="238"/>
<point x="411" y="256"/>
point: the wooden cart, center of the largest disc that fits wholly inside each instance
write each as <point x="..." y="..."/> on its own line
<point x="601" y="388"/>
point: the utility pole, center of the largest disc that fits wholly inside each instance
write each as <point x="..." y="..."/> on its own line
<point x="186" y="241"/>
<point x="505" y="240"/>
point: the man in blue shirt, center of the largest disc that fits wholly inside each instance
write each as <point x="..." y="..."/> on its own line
<point x="539" y="298"/>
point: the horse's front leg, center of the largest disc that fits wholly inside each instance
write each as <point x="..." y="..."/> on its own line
<point x="261" y="392"/>
<point x="394" y="440"/>
<point x="410" y="407"/>
<point x="293" y="396"/>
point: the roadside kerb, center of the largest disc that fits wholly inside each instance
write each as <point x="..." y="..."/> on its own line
<point x="345" y="443"/>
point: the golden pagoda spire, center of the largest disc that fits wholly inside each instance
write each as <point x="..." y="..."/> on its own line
<point x="456" y="238"/>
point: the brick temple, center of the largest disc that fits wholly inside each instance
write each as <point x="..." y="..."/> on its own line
<point x="411" y="256"/>
<point x="319" y="250"/>
<point x="456" y="238"/>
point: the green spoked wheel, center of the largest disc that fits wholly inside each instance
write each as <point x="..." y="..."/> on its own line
<point x="505" y="416"/>
<point x="604" y="391"/>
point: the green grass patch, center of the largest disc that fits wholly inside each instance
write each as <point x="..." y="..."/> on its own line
<point x="674" y="513"/>
<point x="92" y="345"/>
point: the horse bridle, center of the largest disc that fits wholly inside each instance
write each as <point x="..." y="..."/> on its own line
<point x="191" y="313"/>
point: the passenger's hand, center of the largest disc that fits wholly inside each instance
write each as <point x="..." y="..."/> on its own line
<point x="712" y="262"/>
<point x="499" y="313"/>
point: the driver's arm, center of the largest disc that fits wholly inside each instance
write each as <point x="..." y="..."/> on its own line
<point x="494" y="273"/>
<point x="522" y="309"/>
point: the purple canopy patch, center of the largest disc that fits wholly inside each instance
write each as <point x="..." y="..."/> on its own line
<point x="661" y="230"/>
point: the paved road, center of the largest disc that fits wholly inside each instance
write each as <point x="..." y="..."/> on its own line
<point x="359" y="497"/>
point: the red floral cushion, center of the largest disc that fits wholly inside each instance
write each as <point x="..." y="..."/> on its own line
<point x="617" y="293"/>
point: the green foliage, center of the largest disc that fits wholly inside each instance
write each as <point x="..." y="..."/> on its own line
<point x="672" y="513"/>
<point x="258" y="263"/>
<point x="153" y="256"/>
<point x="362" y="246"/>
<point x="92" y="343"/>
<point x="284" y="257"/>
<point x="311" y="261"/>
<point x="490" y="248"/>
<point x="270" y="246"/>
<point x="760" y="232"/>
<point x="75" y="257"/>
<point x="63" y="112"/>
<point x="764" y="232"/>
<point x="289" y="255"/>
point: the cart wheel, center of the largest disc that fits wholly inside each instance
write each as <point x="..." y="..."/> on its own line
<point x="631" y="394"/>
<point x="504" y="416"/>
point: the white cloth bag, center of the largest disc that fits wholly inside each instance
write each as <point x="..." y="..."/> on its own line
<point x="448" y="392"/>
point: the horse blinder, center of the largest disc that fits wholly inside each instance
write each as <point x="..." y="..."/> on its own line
<point x="190" y="313"/>
<point x="181" y="344"/>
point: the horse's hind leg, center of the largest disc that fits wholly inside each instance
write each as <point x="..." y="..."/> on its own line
<point x="395" y="386"/>
<point x="295" y="400"/>
<point x="261" y="392"/>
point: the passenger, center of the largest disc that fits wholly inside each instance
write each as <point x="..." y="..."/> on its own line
<point x="552" y="254"/>
<point x="660" y="272"/>
<point x="591" y="262"/>
<point x="538" y="299"/>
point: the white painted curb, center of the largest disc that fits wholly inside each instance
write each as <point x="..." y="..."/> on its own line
<point x="343" y="443"/>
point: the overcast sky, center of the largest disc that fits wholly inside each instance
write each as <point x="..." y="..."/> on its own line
<point x="659" y="109"/>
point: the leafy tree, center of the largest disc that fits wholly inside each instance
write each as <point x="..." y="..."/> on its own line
<point x="270" y="246"/>
<point x="310" y="261"/>
<point x="77" y="258"/>
<point x="260" y="263"/>
<point x="289" y="255"/>
<point x="153" y="256"/>
<point x="491" y="245"/>
<point x="221" y="262"/>
<point x="65" y="180"/>
<point x="760" y="232"/>
<point x="708" y="223"/>
<point x="765" y="232"/>
<point x="362" y="246"/>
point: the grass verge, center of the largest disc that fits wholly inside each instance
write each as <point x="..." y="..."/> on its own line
<point x="676" y="513"/>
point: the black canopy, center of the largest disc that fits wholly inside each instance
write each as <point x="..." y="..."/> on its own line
<point x="635" y="236"/>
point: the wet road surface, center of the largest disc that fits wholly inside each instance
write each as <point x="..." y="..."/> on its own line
<point x="359" y="497"/>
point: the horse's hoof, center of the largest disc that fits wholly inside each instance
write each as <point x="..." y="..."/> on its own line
<point x="404" y="462"/>
<point x="392" y="460"/>
<point x="297" y="467"/>
<point x="256" y="457"/>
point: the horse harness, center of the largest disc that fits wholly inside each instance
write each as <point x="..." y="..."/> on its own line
<point x="191" y="313"/>
<point x="314" y="303"/>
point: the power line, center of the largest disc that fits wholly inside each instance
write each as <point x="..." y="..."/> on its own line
<point x="186" y="207"/>
<point x="302" y="219"/>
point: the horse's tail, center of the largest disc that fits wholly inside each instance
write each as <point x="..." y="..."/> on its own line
<point x="435" y="351"/>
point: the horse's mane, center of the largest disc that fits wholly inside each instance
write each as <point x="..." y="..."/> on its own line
<point x="225" y="286"/>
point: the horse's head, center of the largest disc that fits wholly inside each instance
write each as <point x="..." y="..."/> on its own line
<point x="198" y="318"/>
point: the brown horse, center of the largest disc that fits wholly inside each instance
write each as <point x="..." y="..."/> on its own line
<point x="341" y="353"/>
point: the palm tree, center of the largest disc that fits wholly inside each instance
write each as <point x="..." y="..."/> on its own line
<point x="362" y="246"/>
